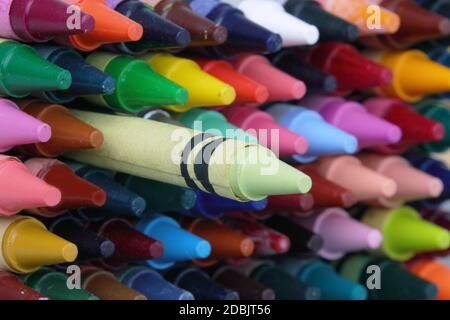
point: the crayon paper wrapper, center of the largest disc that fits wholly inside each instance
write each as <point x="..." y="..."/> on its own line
<point x="154" y="150"/>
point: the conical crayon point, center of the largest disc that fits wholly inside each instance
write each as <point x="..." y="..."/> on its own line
<point x="252" y="181"/>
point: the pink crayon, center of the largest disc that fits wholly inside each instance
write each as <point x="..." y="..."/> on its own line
<point x="412" y="184"/>
<point x="281" y="86"/>
<point x="353" y="118"/>
<point x="341" y="234"/>
<point x="349" y="173"/>
<point x="280" y="140"/>
<point x="20" y="190"/>
<point x="17" y="127"/>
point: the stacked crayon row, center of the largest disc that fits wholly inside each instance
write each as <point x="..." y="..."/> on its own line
<point x="141" y="142"/>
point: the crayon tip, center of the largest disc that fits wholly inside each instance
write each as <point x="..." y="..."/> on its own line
<point x="52" y="197"/>
<point x="108" y="86"/>
<point x="226" y="95"/>
<point x="347" y="199"/>
<point x="95" y="139"/>
<point x="273" y="42"/>
<point x="135" y="32"/>
<point x="69" y="252"/>
<point x="220" y="34"/>
<point x="44" y="132"/>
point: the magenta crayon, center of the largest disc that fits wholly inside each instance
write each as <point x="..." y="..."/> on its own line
<point x="412" y="184"/>
<point x="281" y="86"/>
<point x="416" y="128"/>
<point x="267" y="241"/>
<point x="353" y="118"/>
<point x="341" y="233"/>
<point x="41" y="20"/>
<point x="270" y="134"/>
<point x="18" y="128"/>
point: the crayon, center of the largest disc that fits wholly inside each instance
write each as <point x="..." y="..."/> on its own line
<point x="303" y="241"/>
<point x="54" y="285"/>
<point x="441" y="56"/>
<point x="20" y="189"/>
<point x="75" y="191"/>
<point x="11" y="288"/>
<point x="293" y="203"/>
<point x="243" y="34"/>
<point x="32" y="21"/>
<point x="434" y="272"/>
<point x="281" y="86"/>
<point x="416" y="128"/>
<point x="161" y="115"/>
<point x="415" y="75"/>
<point x="439" y="7"/>
<point x="360" y="12"/>
<point x="412" y="184"/>
<point x="440" y="216"/>
<point x="316" y="81"/>
<point x="233" y="175"/>
<point x="20" y="63"/>
<point x="365" y="184"/>
<point x="280" y="140"/>
<point x="247" y="90"/>
<point x="417" y="24"/>
<point x="152" y="285"/>
<point x="283" y="284"/>
<point x="120" y="201"/>
<point x="353" y="118"/>
<point x="211" y="206"/>
<point x="267" y="241"/>
<point x="437" y="169"/>
<point x="405" y="233"/>
<point x="159" y="196"/>
<point x="18" y="128"/>
<point x="137" y="85"/>
<point x="325" y="193"/>
<point x="247" y="288"/>
<point x="199" y="283"/>
<point x="68" y="132"/>
<point x="225" y="242"/>
<point x="203" y="31"/>
<point x="340" y="233"/>
<point x="395" y="281"/>
<point x="130" y="244"/>
<point x="213" y="122"/>
<point x="331" y="27"/>
<point x="179" y="244"/>
<point x="320" y="274"/>
<point x="323" y="138"/>
<point x="110" y="26"/>
<point x="21" y="252"/>
<point x="90" y="245"/>
<point x="351" y="69"/>
<point x="106" y="286"/>
<point x="86" y="80"/>
<point x="189" y="75"/>
<point x="293" y="31"/>
<point x="436" y="111"/>
<point x="158" y="32"/>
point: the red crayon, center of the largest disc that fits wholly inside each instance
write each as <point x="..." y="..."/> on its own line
<point x="351" y="69"/>
<point x="416" y="129"/>
<point x="267" y="241"/>
<point x="327" y="194"/>
<point x="76" y="192"/>
<point x="247" y="90"/>
<point x="131" y="245"/>
<point x="293" y="203"/>
<point x="11" y="288"/>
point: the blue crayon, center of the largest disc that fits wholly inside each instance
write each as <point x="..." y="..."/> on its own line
<point x="437" y="169"/>
<point x="120" y="201"/>
<point x="323" y="138"/>
<point x="243" y="34"/>
<point x="200" y="284"/>
<point x="86" y="79"/>
<point x="322" y="275"/>
<point x="179" y="244"/>
<point x="211" y="206"/>
<point x="151" y="284"/>
<point x="160" y="196"/>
